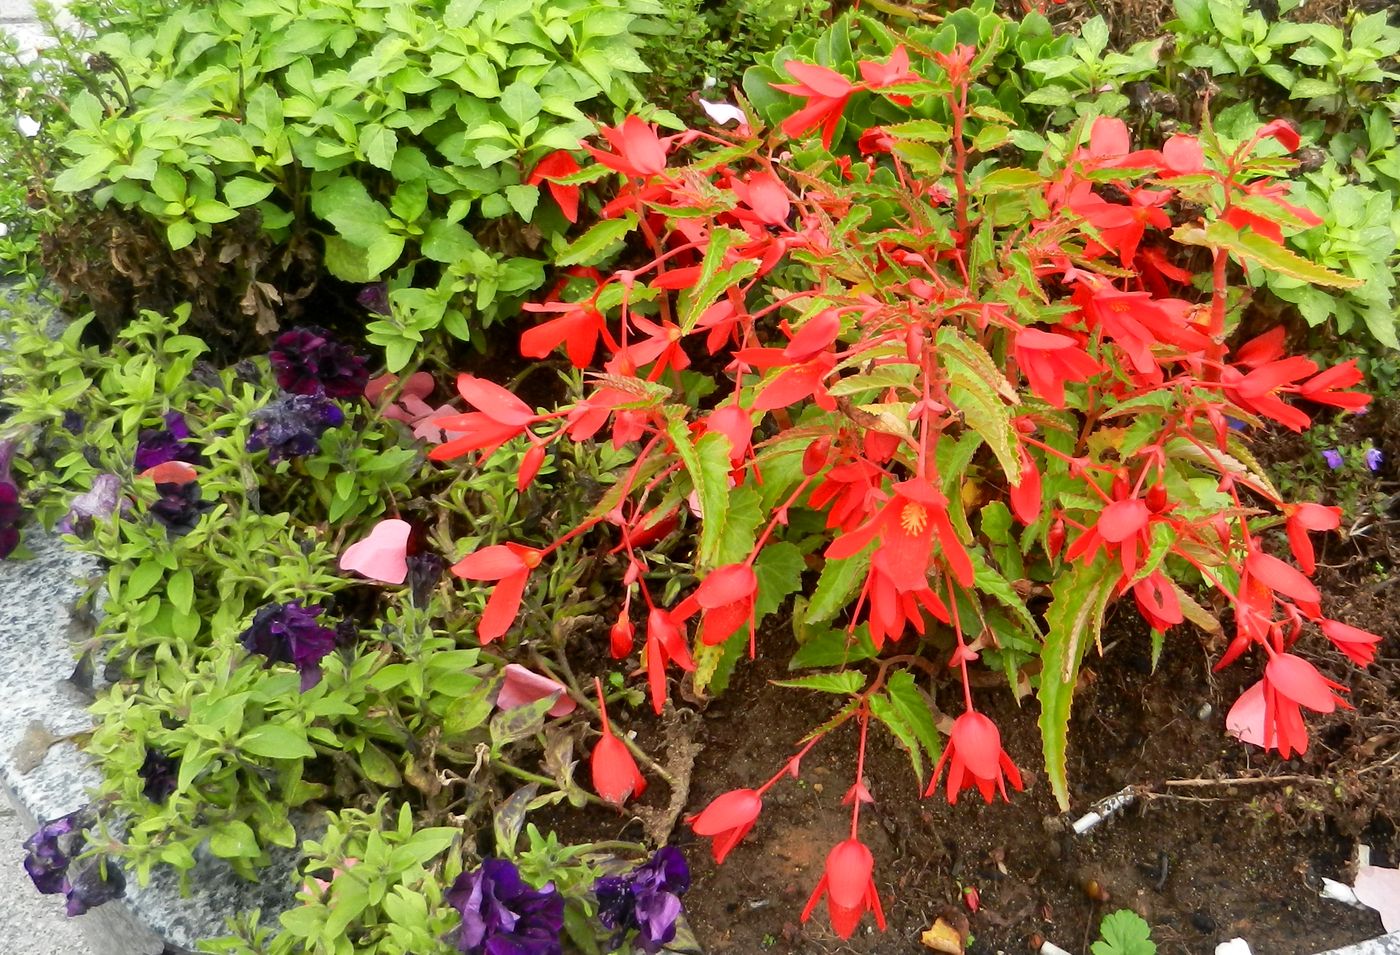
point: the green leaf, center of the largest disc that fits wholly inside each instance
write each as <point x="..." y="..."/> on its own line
<point x="346" y="204"/>
<point x="245" y="191"/>
<point x="233" y="839"/>
<point x="520" y="722"/>
<point x="595" y="244"/>
<point x="909" y="715"/>
<point x="379" y="145"/>
<point x="448" y="242"/>
<point x="378" y="767"/>
<point x="1125" y="933"/>
<point x="838" y="583"/>
<point x="847" y="681"/>
<point x="714" y="278"/>
<point x="520" y="102"/>
<point x="142" y="580"/>
<point x="277" y="741"/>
<point x="180" y="233"/>
<point x="180" y="590"/>
<point x="834" y="647"/>
<point x="1253" y="247"/>
<point x="707" y="462"/>
<point x="1074" y="620"/>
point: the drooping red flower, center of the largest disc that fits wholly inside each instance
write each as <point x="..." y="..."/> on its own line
<point x="1025" y="495"/>
<point x="502" y="416"/>
<point x="1359" y="645"/>
<point x="510" y="564"/>
<point x="616" y="777"/>
<point x="638" y="151"/>
<point x="1284" y="579"/>
<point x="726" y="597"/>
<point x="1322" y="387"/>
<point x="665" y="644"/>
<point x="848" y="883"/>
<point x="1290" y="682"/>
<point x="1049" y="360"/>
<point x="975" y="758"/>
<point x="578" y="327"/>
<point x="826" y="92"/>
<point x="1305" y="517"/>
<point x="557" y="165"/>
<point x="727" y="819"/>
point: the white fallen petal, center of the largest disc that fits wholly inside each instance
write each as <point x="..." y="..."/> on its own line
<point x="1236" y="946"/>
<point x="4" y="229"/>
<point x="1379" y="888"/>
<point x="28" y="126"/>
<point x="722" y="112"/>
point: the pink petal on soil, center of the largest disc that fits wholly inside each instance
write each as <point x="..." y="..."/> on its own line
<point x="524" y="686"/>
<point x="1379" y="888"/>
<point x="381" y="556"/>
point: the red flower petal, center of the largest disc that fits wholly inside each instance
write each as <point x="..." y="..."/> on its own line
<point x="1299" y="680"/>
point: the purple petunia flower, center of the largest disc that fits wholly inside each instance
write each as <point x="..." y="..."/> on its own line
<point x="1373" y="458"/>
<point x="291" y="426"/>
<point x="99" y="501"/>
<point x="1333" y="458"/>
<point x="11" y="513"/>
<point x="307" y="361"/>
<point x="647" y="899"/>
<point x="179" y="507"/>
<point x="502" y="915"/>
<point x="171" y="443"/>
<point x="53" y="864"/>
<point x="51" y="848"/>
<point x="92" y="882"/>
<point x="289" y="633"/>
<point x="159" y="772"/>
<point x="374" y="298"/>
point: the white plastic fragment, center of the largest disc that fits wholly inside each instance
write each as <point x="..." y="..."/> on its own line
<point x="722" y="112"/>
<point x="1103" y="809"/>
<point x="1236" y="946"/>
<point x="28" y="126"/>
<point x="1340" y="892"/>
<point x="1050" y="948"/>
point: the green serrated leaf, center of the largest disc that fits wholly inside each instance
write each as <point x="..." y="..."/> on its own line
<point x="847" y="682"/>
<point x="838" y="583"/>
<point x="595" y="244"/>
<point x="1073" y="622"/>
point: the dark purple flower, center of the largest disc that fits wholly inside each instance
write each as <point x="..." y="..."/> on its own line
<point x="501" y="915"/>
<point x="424" y="572"/>
<point x="1373" y="458"/>
<point x="92" y="882"/>
<point x="374" y="298"/>
<point x="99" y="501"/>
<point x="73" y="422"/>
<point x="179" y="507"/>
<point x="307" y="361"/>
<point x="11" y="513"/>
<point x="648" y="899"/>
<point x="1333" y="458"/>
<point x="50" y="850"/>
<point x="291" y="426"/>
<point x="289" y="633"/>
<point x="159" y="772"/>
<point x="171" y="443"/>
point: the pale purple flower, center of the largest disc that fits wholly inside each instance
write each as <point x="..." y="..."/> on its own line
<point x="647" y="900"/>
<point x="1333" y="457"/>
<point x="98" y="502"/>
<point x="502" y="915"/>
<point x="53" y="863"/>
<point x="1373" y="458"/>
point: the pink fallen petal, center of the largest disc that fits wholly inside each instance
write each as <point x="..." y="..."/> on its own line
<point x="1245" y="721"/>
<point x="383" y="555"/>
<point x="524" y="686"/>
<point x="1379" y="888"/>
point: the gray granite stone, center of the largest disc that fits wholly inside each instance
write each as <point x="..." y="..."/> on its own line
<point x="1385" y="945"/>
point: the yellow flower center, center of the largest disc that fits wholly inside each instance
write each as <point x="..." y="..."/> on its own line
<point x="913" y="518"/>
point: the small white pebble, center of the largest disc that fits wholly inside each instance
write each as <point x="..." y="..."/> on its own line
<point x="28" y="126"/>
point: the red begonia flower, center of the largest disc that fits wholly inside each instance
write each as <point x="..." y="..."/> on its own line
<point x="510" y="564"/>
<point x="616" y="777"/>
<point x="1359" y="645"/>
<point x="849" y="886"/>
<point x="727" y="820"/>
<point x="557" y="165"/>
<point x="977" y="759"/>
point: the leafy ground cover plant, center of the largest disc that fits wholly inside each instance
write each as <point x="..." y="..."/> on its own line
<point x="955" y="386"/>
<point x="279" y="161"/>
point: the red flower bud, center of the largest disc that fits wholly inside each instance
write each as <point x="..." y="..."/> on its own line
<point x="816" y="455"/>
<point x="727" y="820"/>
<point x="616" y="777"/>
<point x="1157" y="498"/>
<point x="623" y="636"/>
<point x="1055" y="538"/>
